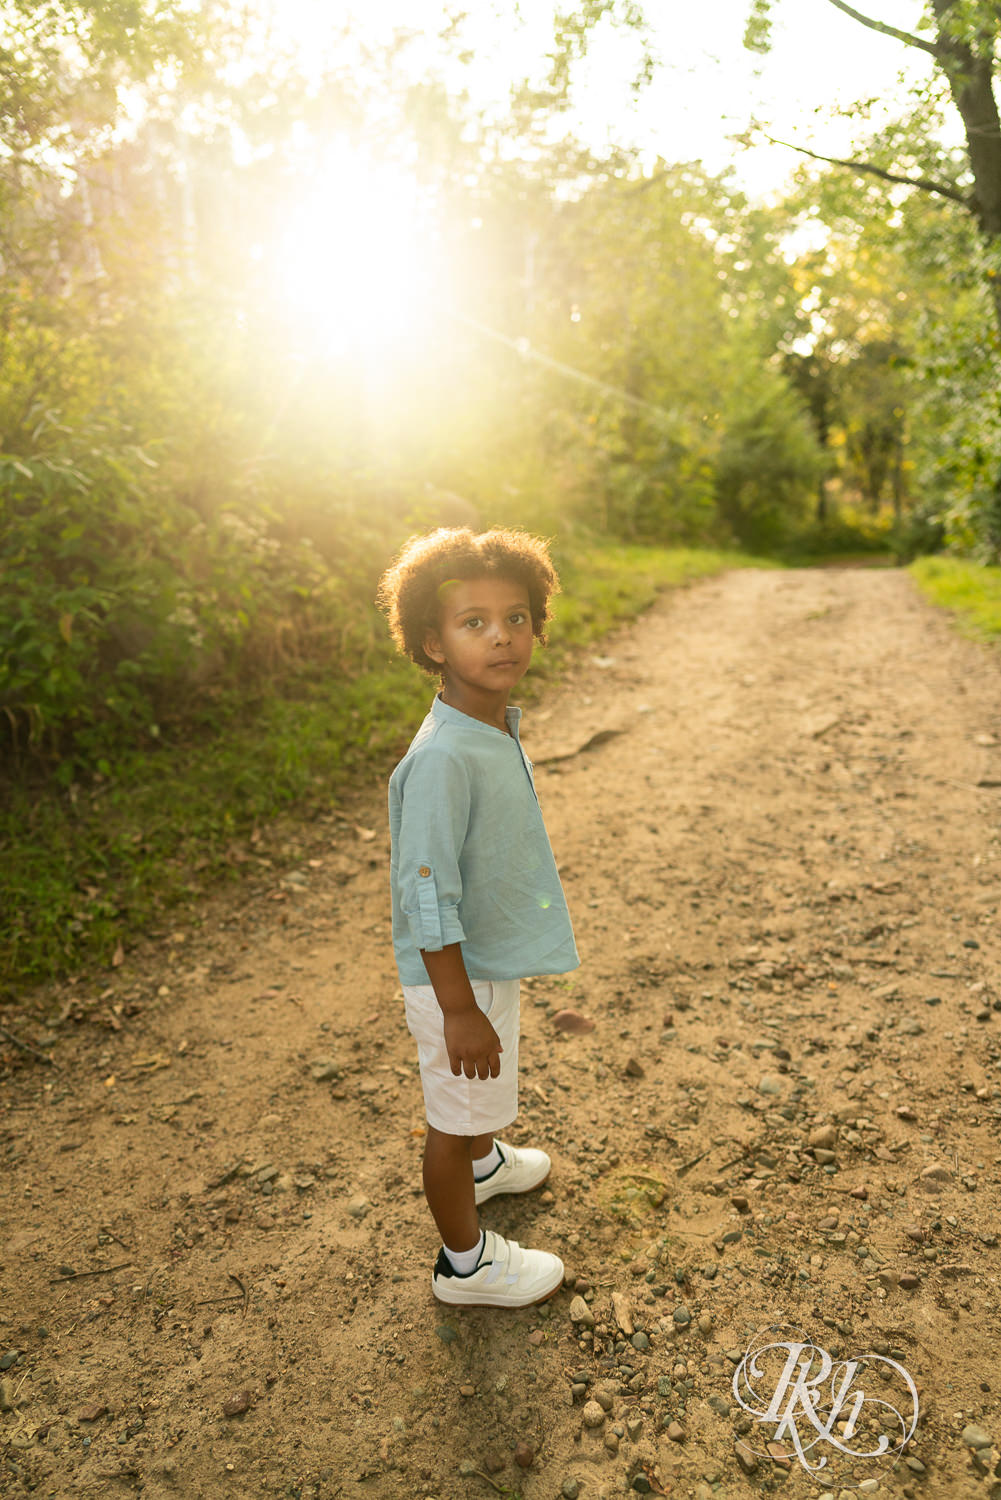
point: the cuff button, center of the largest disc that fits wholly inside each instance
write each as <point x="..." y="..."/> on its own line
<point x="424" y="871"/>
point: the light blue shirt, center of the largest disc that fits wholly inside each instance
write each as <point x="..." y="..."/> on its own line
<point x="471" y="861"/>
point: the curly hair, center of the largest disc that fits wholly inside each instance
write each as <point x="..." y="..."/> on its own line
<point x="409" y="588"/>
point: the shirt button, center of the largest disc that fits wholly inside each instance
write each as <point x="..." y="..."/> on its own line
<point x="424" y="870"/>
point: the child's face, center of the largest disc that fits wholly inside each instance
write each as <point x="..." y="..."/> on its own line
<point x="484" y="638"/>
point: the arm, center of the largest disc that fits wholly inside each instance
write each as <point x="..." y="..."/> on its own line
<point x="473" y="1045"/>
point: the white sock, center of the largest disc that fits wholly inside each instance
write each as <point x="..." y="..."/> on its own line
<point x="484" y="1165"/>
<point x="464" y="1261"/>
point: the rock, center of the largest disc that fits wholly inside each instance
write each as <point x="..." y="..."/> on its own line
<point x="570" y="1489"/>
<point x="824" y="1158"/>
<point x="705" y="1324"/>
<point x="593" y="1414"/>
<point x="467" y="1390"/>
<point x="911" y="1026"/>
<point x="641" y="1485"/>
<point x="909" y="1281"/>
<point x="634" y="1426"/>
<point x="975" y="1437"/>
<point x="623" y="1313"/>
<point x="13" y="1355"/>
<point x="536" y="1338"/>
<point x="634" y="1069"/>
<point x="682" y="1317"/>
<point x="359" y="1207"/>
<point x="237" y="1403"/>
<point x="745" y="1458"/>
<point x="771" y="1083"/>
<point x="605" y="1397"/>
<point x="92" y="1413"/>
<point x="779" y="1455"/>
<point x="861" y="1193"/>
<point x="524" y="1455"/>
<point x="447" y="1333"/>
<point x="611" y="1439"/>
<point x="676" y="1432"/>
<point x="640" y="1341"/>
<point x="824" y="1136"/>
<point x="581" y="1314"/>
<point x="741" y="1204"/>
<point x="720" y="1405"/>
<point x="322" y="1069"/>
<point x="905" y="1112"/>
<point x="934" y="1177"/>
<point x="573" y="1023"/>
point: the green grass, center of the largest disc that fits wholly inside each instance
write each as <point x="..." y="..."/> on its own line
<point x="971" y="592"/>
<point x="84" y="869"/>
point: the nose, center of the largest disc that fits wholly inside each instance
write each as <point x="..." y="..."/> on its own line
<point x="502" y="633"/>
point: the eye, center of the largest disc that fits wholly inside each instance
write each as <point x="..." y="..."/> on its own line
<point x="472" y="622"/>
<point x="519" y="617"/>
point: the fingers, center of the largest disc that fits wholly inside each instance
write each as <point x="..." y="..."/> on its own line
<point x="479" y="1067"/>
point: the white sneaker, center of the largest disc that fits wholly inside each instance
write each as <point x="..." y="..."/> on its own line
<point x="505" y="1276"/>
<point x="521" y="1169"/>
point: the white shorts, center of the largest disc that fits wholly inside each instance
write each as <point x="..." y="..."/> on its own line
<point x="467" y="1106"/>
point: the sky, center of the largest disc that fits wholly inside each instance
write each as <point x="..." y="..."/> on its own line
<point x="707" y="88"/>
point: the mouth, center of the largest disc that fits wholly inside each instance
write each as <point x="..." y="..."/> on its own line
<point x="506" y="663"/>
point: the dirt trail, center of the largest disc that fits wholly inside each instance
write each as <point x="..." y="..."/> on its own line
<point x="783" y="873"/>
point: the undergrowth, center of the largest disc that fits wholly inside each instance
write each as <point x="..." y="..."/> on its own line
<point x="971" y="592"/>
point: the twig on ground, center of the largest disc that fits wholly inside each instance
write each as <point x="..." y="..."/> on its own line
<point x="27" y="1047"/>
<point x="113" y="1236"/>
<point x="79" y="1275"/>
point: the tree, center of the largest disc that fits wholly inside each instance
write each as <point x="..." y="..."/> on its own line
<point x="965" y="42"/>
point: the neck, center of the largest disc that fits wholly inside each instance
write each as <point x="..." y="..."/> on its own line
<point x="489" y="708"/>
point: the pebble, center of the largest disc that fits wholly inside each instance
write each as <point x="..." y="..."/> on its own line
<point x="524" y="1455"/>
<point x="446" y="1333"/>
<point x="580" y="1313"/>
<point x="467" y="1391"/>
<point x="10" y="1358"/>
<point x="573" y="1023"/>
<point x="322" y="1069"/>
<point x="641" y="1485"/>
<point x="824" y="1158"/>
<point x="975" y="1437"/>
<point x="934" y="1177"/>
<point x="676" y="1432"/>
<point x="359" y="1207"/>
<point x="605" y="1397"/>
<point x="570" y="1489"/>
<point x="741" y="1204"/>
<point x="909" y="1281"/>
<point x="593" y="1414"/>
<point x="770" y="1083"/>
<point x="634" y="1069"/>
<point x="634" y="1426"/>
<point x="825" y="1136"/>
<point x="92" y="1413"/>
<point x="623" y="1313"/>
<point x="745" y="1458"/>
<point x="236" y="1404"/>
<point x="911" y="1026"/>
<point x="536" y="1338"/>
<point x="705" y="1324"/>
<point x="640" y="1341"/>
<point x="682" y="1317"/>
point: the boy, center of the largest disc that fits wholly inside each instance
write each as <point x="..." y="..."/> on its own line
<point x="477" y="901"/>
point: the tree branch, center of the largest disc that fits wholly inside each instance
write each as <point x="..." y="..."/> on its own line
<point x="927" y="184"/>
<point x="906" y="37"/>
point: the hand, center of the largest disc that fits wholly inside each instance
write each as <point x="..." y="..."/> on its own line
<point x="473" y="1045"/>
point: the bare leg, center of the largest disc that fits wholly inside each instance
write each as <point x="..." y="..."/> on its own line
<point x="448" y="1187"/>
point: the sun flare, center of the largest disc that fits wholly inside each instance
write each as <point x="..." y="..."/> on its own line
<point x="353" y="267"/>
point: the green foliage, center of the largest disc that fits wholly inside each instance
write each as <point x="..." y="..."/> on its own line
<point x="971" y="592"/>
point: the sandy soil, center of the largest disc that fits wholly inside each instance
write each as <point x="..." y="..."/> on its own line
<point x="781" y="855"/>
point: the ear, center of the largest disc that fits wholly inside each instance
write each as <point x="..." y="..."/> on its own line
<point x="432" y="647"/>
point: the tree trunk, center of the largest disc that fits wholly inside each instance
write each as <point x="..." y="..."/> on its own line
<point x="971" y="83"/>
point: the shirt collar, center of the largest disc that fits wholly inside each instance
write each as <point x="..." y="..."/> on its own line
<point x="449" y="715"/>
